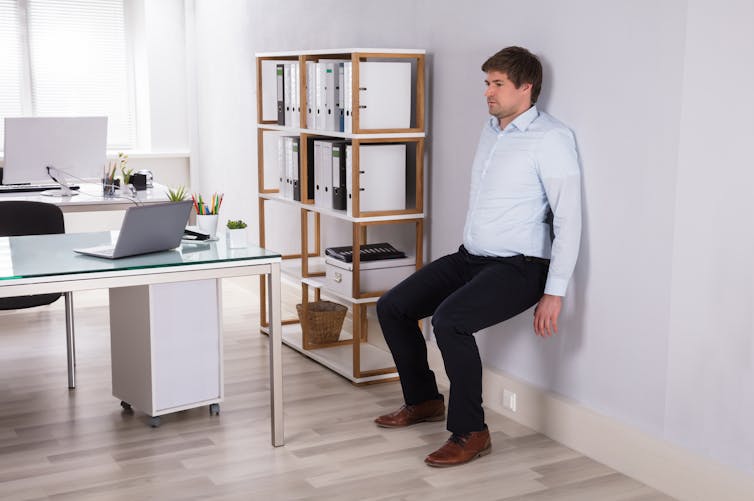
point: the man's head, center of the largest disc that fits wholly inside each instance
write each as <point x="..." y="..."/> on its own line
<point x="520" y="66"/>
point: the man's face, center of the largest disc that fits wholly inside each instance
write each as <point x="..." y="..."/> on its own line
<point x="504" y="100"/>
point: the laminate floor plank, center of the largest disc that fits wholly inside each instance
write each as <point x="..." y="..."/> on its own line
<point x="81" y="445"/>
<point x="570" y="470"/>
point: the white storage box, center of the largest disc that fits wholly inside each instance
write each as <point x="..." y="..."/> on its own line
<point x="375" y="276"/>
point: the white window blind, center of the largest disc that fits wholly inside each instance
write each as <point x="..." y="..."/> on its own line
<point x="11" y="72"/>
<point x="78" y="63"/>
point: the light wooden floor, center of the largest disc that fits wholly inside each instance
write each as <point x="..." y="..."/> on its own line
<point x="78" y="445"/>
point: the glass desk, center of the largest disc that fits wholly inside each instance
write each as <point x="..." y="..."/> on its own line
<point x="41" y="264"/>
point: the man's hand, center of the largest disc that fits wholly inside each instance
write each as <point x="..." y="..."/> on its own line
<point x="546" y="315"/>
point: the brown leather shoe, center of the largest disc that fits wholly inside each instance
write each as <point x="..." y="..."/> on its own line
<point x="431" y="410"/>
<point x="460" y="449"/>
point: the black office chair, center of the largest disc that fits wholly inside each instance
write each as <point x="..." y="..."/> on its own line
<point x="37" y="218"/>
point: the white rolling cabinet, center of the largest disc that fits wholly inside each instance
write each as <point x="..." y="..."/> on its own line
<point x="166" y="347"/>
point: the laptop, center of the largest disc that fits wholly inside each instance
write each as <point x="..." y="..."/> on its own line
<point x="145" y="229"/>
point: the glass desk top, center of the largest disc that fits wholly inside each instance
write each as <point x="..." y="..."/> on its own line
<point x="50" y="255"/>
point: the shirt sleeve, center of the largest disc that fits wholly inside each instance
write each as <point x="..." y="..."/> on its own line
<point x="558" y="166"/>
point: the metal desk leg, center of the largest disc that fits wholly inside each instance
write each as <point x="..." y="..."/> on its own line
<point x="70" y="339"/>
<point x="276" y="348"/>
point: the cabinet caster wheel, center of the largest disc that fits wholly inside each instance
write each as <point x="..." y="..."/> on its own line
<point x="214" y="409"/>
<point x="154" y="421"/>
<point x="126" y="406"/>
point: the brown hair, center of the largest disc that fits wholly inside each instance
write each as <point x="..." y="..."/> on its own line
<point x="520" y="65"/>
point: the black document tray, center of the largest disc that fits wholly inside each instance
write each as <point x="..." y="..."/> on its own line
<point x="368" y="252"/>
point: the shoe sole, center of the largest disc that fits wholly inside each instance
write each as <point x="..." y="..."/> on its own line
<point x="479" y="454"/>
<point x="426" y="420"/>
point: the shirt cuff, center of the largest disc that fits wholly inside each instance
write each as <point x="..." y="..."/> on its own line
<point x="556" y="286"/>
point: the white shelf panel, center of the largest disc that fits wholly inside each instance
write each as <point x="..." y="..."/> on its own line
<point x="319" y="283"/>
<point x="343" y="135"/>
<point x="292" y="267"/>
<point x="324" y="52"/>
<point x="339" y="214"/>
<point x="339" y="359"/>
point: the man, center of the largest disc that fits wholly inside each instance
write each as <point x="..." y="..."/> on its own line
<point x="525" y="172"/>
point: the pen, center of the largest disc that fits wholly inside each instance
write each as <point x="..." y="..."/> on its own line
<point x="196" y="207"/>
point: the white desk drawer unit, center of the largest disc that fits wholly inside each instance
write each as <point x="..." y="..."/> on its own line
<point x="166" y="346"/>
<point x="375" y="276"/>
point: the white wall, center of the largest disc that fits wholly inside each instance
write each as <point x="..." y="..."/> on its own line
<point x="659" y="310"/>
<point x="710" y="390"/>
<point x="226" y="107"/>
<point x="162" y="91"/>
<point x="166" y="61"/>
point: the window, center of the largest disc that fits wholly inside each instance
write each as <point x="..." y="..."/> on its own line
<point x="67" y="58"/>
<point x="11" y="76"/>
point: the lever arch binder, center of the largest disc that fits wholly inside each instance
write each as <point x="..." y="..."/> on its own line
<point x="295" y="97"/>
<point x="339" y="176"/>
<point x="384" y="95"/>
<point x="295" y="160"/>
<point x="382" y="177"/>
<point x="341" y="97"/>
<point x="330" y="95"/>
<point x="347" y="97"/>
<point x="323" y="172"/>
<point x="287" y="92"/>
<point x="311" y="94"/>
<point x="281" y="93"/>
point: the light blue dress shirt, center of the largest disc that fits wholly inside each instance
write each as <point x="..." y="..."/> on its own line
<point x="520" y="175"/>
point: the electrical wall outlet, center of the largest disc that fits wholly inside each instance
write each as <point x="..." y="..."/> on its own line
<point x="509" y="400"/>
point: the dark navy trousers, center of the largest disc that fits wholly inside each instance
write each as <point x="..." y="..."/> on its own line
<point x="463" y="293"/>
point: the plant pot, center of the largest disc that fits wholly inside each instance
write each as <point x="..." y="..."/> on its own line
<point x="236" y="239"/>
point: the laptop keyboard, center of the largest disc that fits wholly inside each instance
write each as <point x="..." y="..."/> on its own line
<point x="29" y="188"/>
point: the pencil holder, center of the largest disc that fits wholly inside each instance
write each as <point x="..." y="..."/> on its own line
<point x="109" y="186"/>
<point x="208" y="223"/>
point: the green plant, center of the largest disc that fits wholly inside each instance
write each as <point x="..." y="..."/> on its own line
<point x="236" y="225"/>
<point x="177" y="195"/>
<point x="125" y="172"/>
<point x="126" y="175"/>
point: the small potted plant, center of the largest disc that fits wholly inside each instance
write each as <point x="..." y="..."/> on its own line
<point x="125" y="172"/>
<point x="236" y="234"/>
<point x="177" y="195"/>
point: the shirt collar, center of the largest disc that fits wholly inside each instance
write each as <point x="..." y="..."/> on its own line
<point x="521" y="122"/>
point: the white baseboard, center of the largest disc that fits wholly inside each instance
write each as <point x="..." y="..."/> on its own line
<point x="655" y="462"/>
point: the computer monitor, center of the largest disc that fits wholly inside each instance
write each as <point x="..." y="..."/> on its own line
<point x="73" y="147"/>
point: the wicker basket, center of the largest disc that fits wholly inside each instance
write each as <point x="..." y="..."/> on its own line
<point x="323" y="322"/>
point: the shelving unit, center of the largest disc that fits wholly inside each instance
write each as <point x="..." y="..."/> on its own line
<point x="357" y="359"/>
